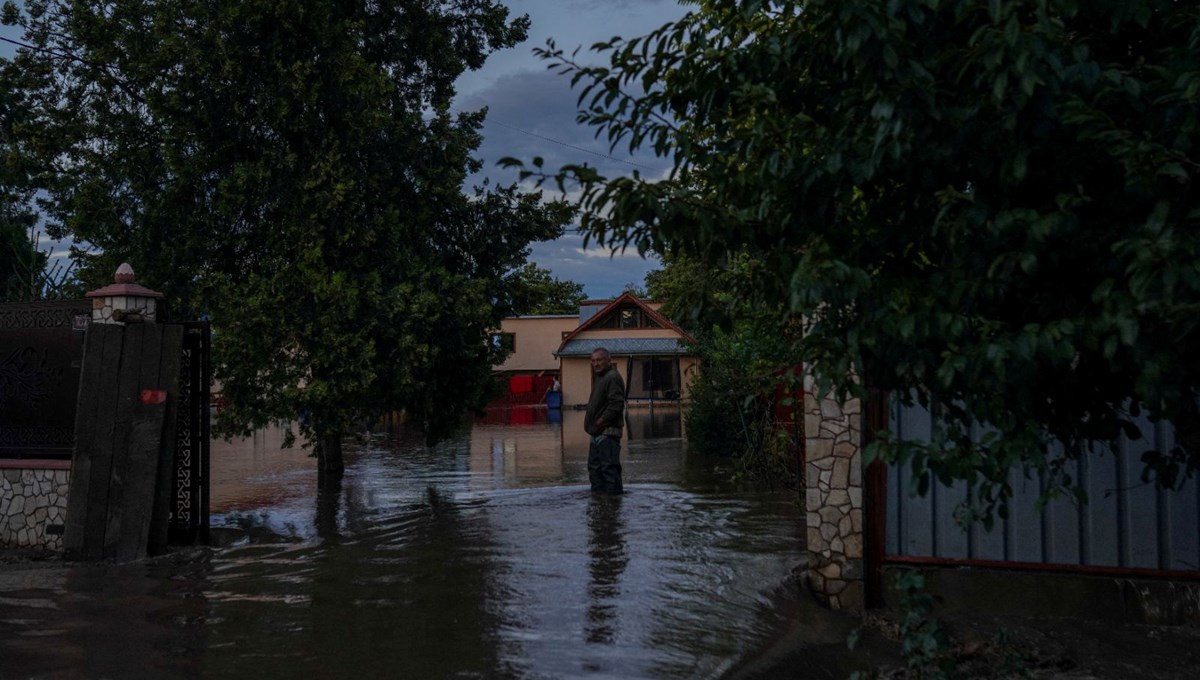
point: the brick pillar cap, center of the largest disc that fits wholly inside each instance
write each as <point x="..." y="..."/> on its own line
<point x="123" y="285"/>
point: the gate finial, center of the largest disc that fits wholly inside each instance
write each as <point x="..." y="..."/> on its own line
<point x="124" y="273"/>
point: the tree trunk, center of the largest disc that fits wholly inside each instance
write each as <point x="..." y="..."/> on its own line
<point x="329" y="454"/>
<point x="329" y="503"/>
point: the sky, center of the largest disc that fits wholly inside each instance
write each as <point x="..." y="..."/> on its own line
<point x="531" y="112"/>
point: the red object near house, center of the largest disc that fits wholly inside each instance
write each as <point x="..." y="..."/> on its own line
<point x="526" y="389"/>
<point x="788" y="405"/>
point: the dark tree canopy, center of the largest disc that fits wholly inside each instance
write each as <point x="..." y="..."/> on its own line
<point x="534" y="290"/>
<point x="20" y="262"/>
<point x="293" y="171"/>
<point x="991" y="206"/>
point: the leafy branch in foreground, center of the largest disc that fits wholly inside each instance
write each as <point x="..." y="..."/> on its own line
<point x="991" y="209"/>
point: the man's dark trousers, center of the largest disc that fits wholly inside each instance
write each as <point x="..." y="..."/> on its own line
<point x="604" y="464"/>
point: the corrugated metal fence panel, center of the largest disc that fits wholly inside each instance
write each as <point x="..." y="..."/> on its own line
<point x="1125" y="523"/>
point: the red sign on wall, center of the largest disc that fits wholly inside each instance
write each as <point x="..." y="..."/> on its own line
<point x="154" y="396"/>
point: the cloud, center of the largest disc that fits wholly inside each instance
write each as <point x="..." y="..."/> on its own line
<point x="600" y="274"/>
<point x="610" y="5"/>
<point x="531" y="113"/>
<point x="608" y="253"/>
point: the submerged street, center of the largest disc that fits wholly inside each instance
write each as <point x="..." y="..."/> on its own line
<point x="486" y="556"/>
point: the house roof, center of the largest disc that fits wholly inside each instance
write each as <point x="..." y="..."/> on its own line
<point x="621" y="300"/>
<point x="583" y="347"/>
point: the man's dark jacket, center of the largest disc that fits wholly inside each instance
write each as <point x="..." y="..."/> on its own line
<point x="607" y="405"/>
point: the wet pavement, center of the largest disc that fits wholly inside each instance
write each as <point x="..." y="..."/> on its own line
<point x="484" y="557"/>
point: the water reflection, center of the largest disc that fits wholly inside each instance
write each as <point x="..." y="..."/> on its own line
<point x="329" y="506"/>
<point x="486" y="556"/>
<point x="606" y="546"/>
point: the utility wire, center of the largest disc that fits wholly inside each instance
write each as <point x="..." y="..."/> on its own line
<point x="569" y="146"/>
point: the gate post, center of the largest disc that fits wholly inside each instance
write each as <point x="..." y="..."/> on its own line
<point x="124" y="301"/>
<point x="833" y="498"/>
<point x="128" y="387"/>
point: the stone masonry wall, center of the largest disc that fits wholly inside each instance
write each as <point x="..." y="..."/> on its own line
<point x="834" y="498"/>
<point x="116" y="308"/>
<point x="31" y="499"/>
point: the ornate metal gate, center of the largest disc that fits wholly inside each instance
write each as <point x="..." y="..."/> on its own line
<point x="41" y="348"/>
<point x="189" y="481"/>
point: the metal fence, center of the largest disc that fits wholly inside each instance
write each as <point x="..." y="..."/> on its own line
<point x="41" y="345"/>
<point x="1125" y="523"/>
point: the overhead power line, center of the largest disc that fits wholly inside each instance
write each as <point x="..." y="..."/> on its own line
<point x="566" y="144"/>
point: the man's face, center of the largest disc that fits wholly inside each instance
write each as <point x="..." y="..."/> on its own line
<point x="600" y="361"/>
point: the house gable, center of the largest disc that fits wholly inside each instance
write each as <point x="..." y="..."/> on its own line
<point x="625" y="316"/>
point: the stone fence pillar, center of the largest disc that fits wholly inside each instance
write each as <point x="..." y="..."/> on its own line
<point x="834" y="498"/>
<point x="124" y="301"/>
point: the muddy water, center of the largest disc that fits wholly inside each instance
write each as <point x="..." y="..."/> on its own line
<point x="484" y="557"/>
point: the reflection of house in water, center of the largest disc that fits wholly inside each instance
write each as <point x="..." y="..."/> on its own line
<point x="551" y="452"/>
<point x="247" y="472"/>
<point x="526" y="452"/>
<point x="648" y="350"/>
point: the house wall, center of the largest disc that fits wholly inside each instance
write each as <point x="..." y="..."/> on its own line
<point x="577" y="379"/>
<point x="689" y="368"/>
<point x="536" y="338"/>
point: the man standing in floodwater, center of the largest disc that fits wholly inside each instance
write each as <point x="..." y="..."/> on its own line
<point x="605" y="415"/>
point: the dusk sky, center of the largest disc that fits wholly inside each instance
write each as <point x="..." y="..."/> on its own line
<point x="531" y="112"/>
<point x="528" y="104"/>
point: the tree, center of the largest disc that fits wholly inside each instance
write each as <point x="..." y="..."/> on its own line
<point x="534" y="290"/>
<point x="745" y="358"/>
<point x="292" y="170"/>
<point x="991" y="208"/>
<point x="635" y="289"/>
<point x="20" y="261"/>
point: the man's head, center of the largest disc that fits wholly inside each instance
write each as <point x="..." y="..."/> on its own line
<point x="601" y="360"/>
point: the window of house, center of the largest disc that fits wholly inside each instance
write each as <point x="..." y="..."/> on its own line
<point x="659" y="374"/>
<point x="627" y="317"/>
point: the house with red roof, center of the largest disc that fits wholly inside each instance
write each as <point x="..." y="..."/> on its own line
<point x="648" y="349"/>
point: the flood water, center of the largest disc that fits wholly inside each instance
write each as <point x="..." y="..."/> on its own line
<point x="484" y="557"/>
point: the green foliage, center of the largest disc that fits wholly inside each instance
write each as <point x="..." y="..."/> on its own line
<point x="533" y="290"/>
<point x="923" y="642"/>
<point x="26" y="272"/>
<point x="19" y="258"/>
<point x="634" y="289"/>
<point x="293" y="171"/>
<point x="990" y="208"/>
<point x="732" y="411"/>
